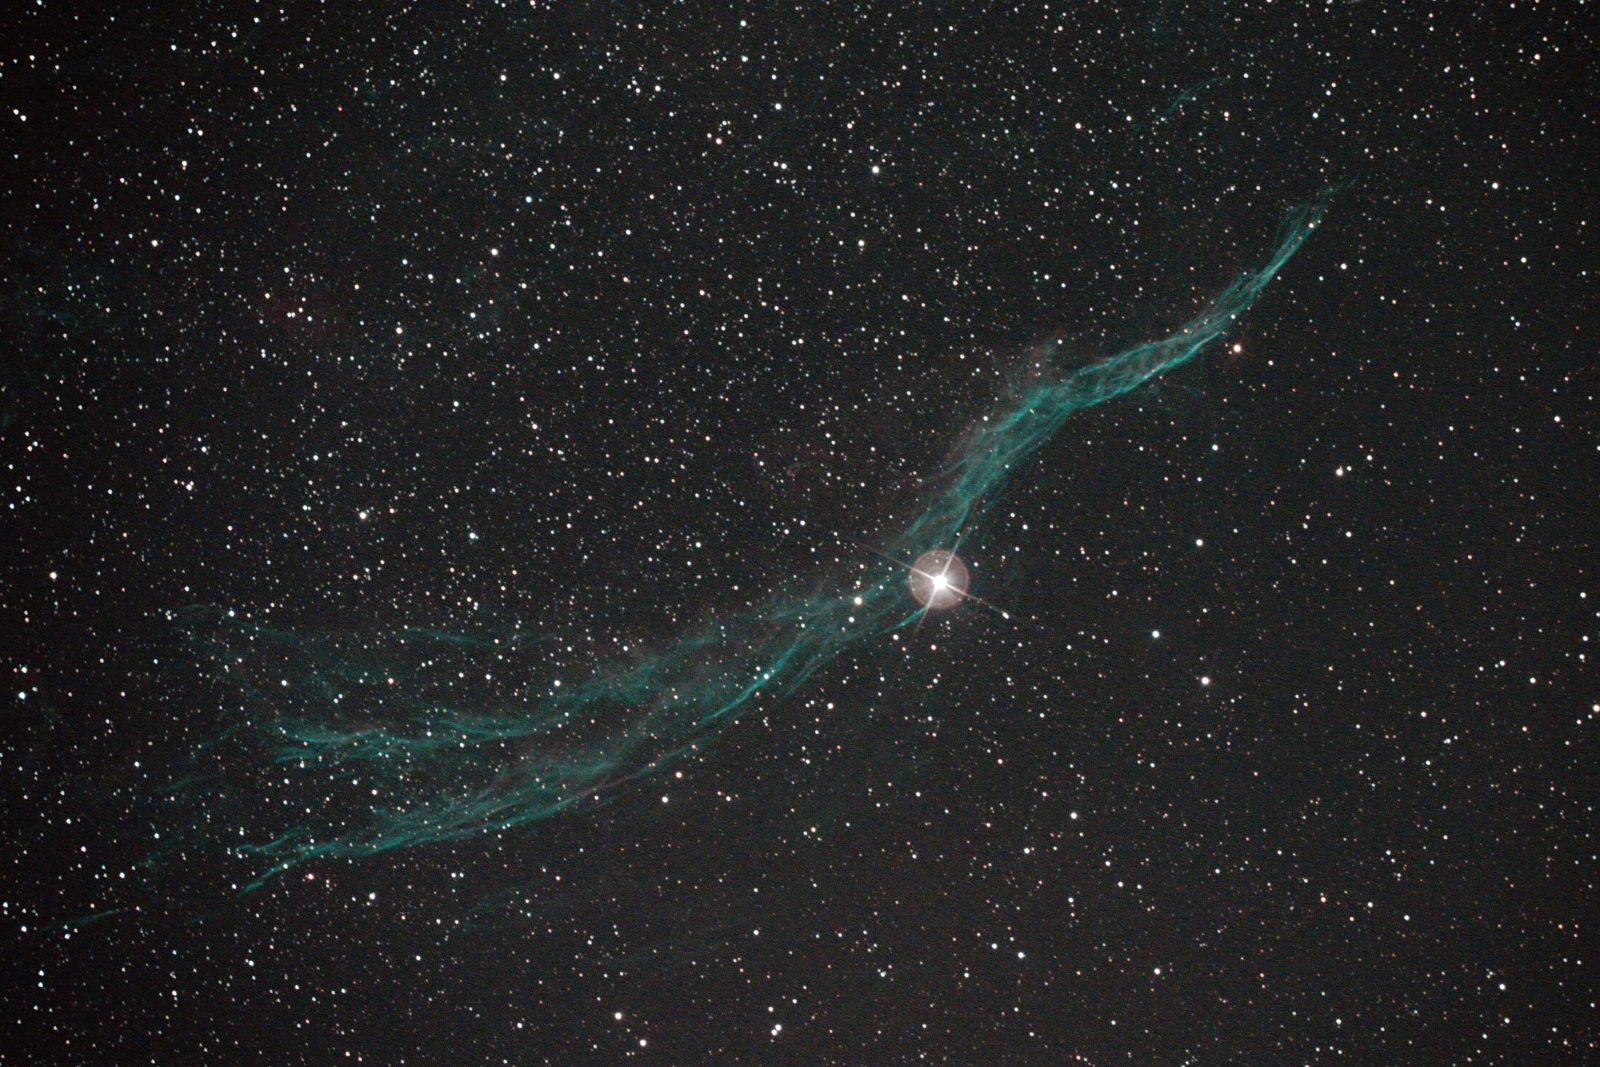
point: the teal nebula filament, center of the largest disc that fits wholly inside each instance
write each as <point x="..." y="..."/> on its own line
<point x="413" y="771"/>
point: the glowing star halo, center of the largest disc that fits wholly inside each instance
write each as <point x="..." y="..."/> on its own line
<point x="938" y="579"/>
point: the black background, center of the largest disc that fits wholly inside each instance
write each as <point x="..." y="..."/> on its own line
<point x="587" y="307"/>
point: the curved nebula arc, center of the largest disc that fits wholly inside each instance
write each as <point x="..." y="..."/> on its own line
<point x="430" y="774"/>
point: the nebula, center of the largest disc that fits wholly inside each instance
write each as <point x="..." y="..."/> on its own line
<point x="384" y="766"/>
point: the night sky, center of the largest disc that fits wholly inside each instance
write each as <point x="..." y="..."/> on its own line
<point x="462" y="465"/>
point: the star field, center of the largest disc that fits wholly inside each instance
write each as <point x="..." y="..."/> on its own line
<point x="406" y="413"/>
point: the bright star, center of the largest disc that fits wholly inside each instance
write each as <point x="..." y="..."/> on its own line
<point x="938" y="579"/>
